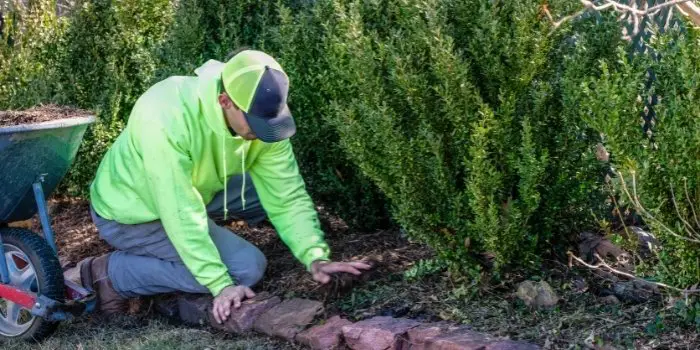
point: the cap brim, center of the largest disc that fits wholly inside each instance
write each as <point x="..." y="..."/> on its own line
<point x="274" y="129"/>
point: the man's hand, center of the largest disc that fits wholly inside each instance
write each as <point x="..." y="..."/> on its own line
<point x="231" y="294"/>
<point x="321" y="271"/>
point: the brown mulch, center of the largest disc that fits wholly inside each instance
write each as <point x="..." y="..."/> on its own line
<point x="39" y="114"/>
<point x="385" y="250"/>
<point x="77" y="238"/>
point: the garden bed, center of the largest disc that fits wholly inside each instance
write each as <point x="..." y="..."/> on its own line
<point x="398" y="288"/>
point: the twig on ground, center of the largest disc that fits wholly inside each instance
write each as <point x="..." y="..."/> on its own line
<point x="602" y="265"/>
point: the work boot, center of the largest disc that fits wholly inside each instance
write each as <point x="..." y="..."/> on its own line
<point x="93" y="274"/>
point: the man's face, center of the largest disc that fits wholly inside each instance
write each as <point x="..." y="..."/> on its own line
<point x="235" y="118"/>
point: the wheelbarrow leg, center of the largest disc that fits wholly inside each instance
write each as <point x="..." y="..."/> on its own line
<point x="4" y="272"/>
<point x="44" y="213"/>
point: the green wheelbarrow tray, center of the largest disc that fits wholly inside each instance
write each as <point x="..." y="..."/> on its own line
<point x="31" y="152"/>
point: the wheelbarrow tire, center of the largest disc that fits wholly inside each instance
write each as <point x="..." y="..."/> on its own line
<point x="48" y="273"/>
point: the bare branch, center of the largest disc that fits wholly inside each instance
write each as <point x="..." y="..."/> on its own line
<point x="638" y="205"/>
<point x="690" y="10"/>
<point x="564" y="19"/>
<point x="688" y="227"/>
<point x="603" y="266"/>
<point x="635" y="12"/>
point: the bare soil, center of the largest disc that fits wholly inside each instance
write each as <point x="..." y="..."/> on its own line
<point x="39" y="114"/>
<point x="581" y="320"/>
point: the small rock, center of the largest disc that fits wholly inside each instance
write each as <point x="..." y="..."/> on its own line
<point x="287" y="319"/>
<point x="243" y="318"/>
<point x="417" y="336"/>
<point x="194" y="308"/>
<point x="609" y="300"/>
<point x="326" y="336"/>
<point x="378" y="333"/>
<point x="538" y="294"/>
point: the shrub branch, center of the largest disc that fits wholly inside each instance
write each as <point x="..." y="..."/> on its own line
<point x="603" y="266"/>
<point x="634" y="199"/>
<point x="690" y="202"/>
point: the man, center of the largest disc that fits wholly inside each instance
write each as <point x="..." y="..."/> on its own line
<point x="185" y="155"/>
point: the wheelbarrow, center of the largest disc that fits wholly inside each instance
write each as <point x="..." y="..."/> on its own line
<point x="34" y="296"/>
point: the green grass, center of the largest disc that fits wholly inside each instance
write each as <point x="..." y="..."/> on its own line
<point x="144" y="333"/>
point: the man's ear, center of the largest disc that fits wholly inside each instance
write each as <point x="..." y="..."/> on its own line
<point x="225" y="101"/>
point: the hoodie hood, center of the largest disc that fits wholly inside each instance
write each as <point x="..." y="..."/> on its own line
<point x="209" y="75"/>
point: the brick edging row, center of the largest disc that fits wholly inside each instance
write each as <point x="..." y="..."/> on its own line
<point x="289" y="320"/>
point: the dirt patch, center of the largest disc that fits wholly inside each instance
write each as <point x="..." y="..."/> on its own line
<point x="39" y="114"/>
<point x="386" y="250"/>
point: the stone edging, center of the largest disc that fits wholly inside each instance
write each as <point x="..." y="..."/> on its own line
<point x="289" y="320"/>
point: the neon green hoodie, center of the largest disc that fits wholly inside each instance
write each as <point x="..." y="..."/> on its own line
<point x="176" y="153"/>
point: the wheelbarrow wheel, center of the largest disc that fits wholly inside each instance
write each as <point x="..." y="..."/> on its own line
<point x="34" y="267"/>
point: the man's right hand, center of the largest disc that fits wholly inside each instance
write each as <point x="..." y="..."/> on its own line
<point x="229" y="295"/>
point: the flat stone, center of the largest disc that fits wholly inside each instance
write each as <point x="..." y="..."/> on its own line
<point x="287" y="319"/>
<point x="540" y="294"/>
<point x="417" y="336"/>
<point x="462" y="339"/>
<point x="511" y="345"/>
<point x="378" y="333"/>
<point x="325" y="336"/>
<point x="194" y="308"/>
<point x="243" y="318"/>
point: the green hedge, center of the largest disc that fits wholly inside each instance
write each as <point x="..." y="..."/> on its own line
<point x="472" y="159"/>
<point x="657" y="162"/>
<point x="472" y="122"/>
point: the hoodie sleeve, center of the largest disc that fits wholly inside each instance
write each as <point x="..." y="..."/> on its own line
<point x="168" y="173"/>
<point x="283" y="195"/>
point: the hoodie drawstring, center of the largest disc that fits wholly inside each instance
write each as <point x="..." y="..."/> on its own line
<point x="225" y="180"/>
<point x="244" y="176"/>
<point x="243" y="183"/>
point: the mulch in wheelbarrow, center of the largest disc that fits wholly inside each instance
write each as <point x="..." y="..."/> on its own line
<point x="39" y="114"/>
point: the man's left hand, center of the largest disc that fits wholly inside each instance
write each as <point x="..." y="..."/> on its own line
<point x="321" y="271"/>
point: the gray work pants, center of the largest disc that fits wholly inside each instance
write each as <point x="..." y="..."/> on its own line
<point x="146" y="262"/>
